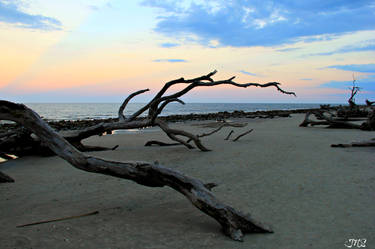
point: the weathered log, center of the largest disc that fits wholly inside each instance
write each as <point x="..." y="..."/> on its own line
<point x="234" y="223"/>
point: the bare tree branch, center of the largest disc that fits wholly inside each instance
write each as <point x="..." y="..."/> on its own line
<point x="172" y="133"/>
<point x="121" y="115"/>
<point x="230" y="133"/>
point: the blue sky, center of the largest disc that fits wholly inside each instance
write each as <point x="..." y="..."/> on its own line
<point x="262" y="22"/>
<point x="101" y="50"/>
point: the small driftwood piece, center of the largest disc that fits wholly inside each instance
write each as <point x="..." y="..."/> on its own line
<point x="155" y="142"/>
<point x="59" y="219"/>
<point x="230" y="133"/>
<point x="233" y="222"/>
<point x="5" y="178"/>
<point x="370" y="143"/>
<point x="241" y="135"/>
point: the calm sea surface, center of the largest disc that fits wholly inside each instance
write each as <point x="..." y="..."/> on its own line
<point x="74" y="111"/>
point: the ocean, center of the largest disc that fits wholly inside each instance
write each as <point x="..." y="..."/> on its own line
<point x="79" y="111"/>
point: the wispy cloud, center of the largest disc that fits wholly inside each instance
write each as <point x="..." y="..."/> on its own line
<point x="287" y="49"/>
<point x="248" y="73"/>
<point x="169" y="45"/>
<point x="306" y="79"/>
<point x="364" y="46"/>
<point x="10" y="13"/>
<point x="262" y="22"/>
<point x="170" y="60"/>
<point x="362" y="68"/>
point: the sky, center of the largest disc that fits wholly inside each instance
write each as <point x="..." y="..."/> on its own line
<point x="103" y="50"/>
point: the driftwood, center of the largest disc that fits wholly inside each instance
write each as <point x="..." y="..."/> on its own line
<point x="155" y="142"/>
<point x="5" y="178"/>
<point x="230" y="133"/>
<point x="154" y="108"/>
<point x="234" y="223"/>
<point x="241" y="135"/>
<point x="59" y="219"/>
<point x="325" y="117"/>
<point x="356" y="144"/>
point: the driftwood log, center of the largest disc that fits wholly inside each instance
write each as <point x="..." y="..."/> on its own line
<point x="153" y="108"/>
<point x="234" y="223"/>
<point x="325" y="117"/>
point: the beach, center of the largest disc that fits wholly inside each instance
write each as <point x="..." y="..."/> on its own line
<point x="312" y="195"/>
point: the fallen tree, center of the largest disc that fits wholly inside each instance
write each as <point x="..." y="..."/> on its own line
<point x="10" y="145"/>
<point x="234" y="223"/>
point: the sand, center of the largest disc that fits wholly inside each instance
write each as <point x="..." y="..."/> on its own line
<point x="312" y="195"/>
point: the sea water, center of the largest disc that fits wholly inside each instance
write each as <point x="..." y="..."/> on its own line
<point x="77" y="111"/>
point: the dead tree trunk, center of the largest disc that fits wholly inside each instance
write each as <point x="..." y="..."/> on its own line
<point x="354" y="90"/>
<point x="234" y="223"/>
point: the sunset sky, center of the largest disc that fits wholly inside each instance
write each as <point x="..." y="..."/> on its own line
<point x="102" y="50"/>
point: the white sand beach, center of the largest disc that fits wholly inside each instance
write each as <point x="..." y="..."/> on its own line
<point x="312" y="195"/>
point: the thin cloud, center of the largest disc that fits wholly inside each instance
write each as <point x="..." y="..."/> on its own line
<point x="362" y="68"/>
<point x="370" y="46"/>
<point x="170" y="60"/>
<point x="169" y="45"/>
<point x="262" y="22"/>
<point x="11" y="14"/>
<point x="248" y="73"/>
<point x="306" y="79"/>
<point x="287" y="49"/>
